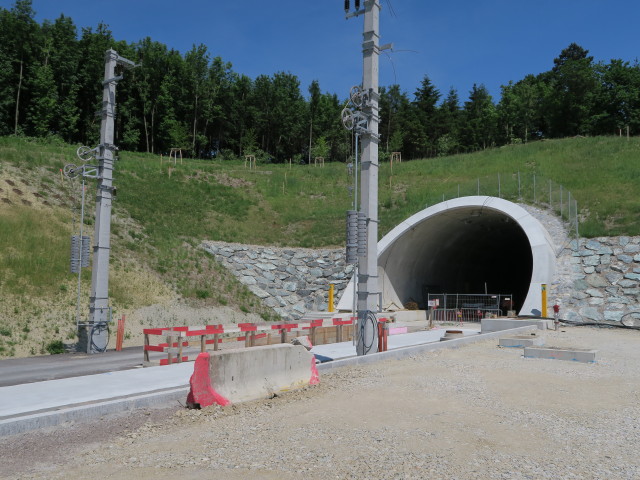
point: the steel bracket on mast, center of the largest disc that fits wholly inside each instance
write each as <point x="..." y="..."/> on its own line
<point x="112" y="80"/>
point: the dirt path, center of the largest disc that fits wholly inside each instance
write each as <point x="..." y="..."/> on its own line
<point x="476" y="412"/>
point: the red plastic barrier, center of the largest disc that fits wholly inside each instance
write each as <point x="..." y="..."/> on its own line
<point x="202" y="393"/>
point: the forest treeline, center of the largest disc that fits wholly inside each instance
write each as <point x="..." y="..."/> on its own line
<point x="51" y="85"/>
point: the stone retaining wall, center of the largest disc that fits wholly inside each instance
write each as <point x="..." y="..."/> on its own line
<point x="598" y="280"/>
<point x="292" y="281"/>
<point x="605" y="283"/>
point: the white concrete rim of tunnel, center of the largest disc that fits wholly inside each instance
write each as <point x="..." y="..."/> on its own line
<point x="540" y="243"/>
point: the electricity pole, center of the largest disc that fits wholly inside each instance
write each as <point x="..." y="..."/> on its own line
<point x="368" y="286"/>
<point x="99" y="309"/>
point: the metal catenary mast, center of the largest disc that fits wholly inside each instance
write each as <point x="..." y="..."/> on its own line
<point x="365" y="123"/>
<point x="94" y="335"/>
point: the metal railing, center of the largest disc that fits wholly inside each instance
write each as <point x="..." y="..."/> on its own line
<point x="529" y="188"/>
<point x="456" y="307"/>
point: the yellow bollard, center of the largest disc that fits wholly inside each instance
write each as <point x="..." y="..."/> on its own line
<point x="544" y="299"/>
<point x="330" y="308"/>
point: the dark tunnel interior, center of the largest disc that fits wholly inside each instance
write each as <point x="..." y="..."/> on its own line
<point x="489" y="254"/>
<point x="465" y="251"/>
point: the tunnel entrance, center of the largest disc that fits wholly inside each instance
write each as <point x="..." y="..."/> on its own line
<point x="472" y="252"/>
<point x="469" y="245"/>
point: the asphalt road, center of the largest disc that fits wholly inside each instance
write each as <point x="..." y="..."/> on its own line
<point x="15" y="371"/>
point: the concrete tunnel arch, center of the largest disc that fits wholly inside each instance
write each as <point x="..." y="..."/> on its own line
<point x="458" y="245"/>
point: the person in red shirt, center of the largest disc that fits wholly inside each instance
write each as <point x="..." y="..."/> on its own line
<point x="556" y="314"/>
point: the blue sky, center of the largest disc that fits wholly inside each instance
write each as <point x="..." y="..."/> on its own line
<point x="456" y="43"/>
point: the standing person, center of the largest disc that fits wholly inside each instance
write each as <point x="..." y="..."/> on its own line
<point x="556" y="314"/>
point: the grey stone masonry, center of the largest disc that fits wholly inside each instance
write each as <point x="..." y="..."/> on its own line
<point x="605" y="279"/>
<point x="289" y="280"/>
<point x="596" y="279"/>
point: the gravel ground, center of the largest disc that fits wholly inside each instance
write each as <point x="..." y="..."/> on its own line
<point x="477" y="412"/>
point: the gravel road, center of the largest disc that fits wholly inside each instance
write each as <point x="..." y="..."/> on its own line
<point x="476" y="412"/>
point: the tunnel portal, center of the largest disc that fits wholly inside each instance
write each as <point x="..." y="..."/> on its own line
<point x="469" y="245"/>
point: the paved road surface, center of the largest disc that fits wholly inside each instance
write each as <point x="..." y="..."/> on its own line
<point x="15" y="371"/>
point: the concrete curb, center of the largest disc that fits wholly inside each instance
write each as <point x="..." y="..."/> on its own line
<point x="82" y="413"/>
<point x="404" y="352"/>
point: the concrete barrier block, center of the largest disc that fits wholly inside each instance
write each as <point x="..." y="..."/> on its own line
<point x="573" y="354"/>
<point x="258" y="372"/>
<point x="521" y="341"/>
<point x="488" y="325"/>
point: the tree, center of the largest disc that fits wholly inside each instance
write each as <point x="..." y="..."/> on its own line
<point x="147" y="81"/>
<point x="425" y="104"/>
<point x="7" y="87"/>
<point x="449" y="115"/>
<point x="173" y="106"/>
<point x="196" y="66"/>
<point x="507" y="111"/>
<point x="618" y="105"/>
<point x="218" y="86"/>
<point x="328" y="123"/>
<point x="241" y="111"/>
<point x="62" y="55"/>
<point x="21" y="42"/>
<point x="320" y="149"/>
<point x="42" y="110"/>
<point x="392" y="101"/>
<point x="479" y="119"/>
<point x="314" y="100"/>
<point x="288" y="115"/>
<point x="279" y="114"/>
<point x="92" y="47"/>
<point x="573" y="91"/>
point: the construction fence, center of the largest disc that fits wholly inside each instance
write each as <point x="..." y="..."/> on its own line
<point x="455" y="307"/>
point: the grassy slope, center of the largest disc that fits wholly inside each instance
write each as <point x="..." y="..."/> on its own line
<point x="163" y="211"/>
<point x="304" y="205"/>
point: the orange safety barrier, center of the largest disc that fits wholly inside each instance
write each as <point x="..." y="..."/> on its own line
<point x="120" y="334"/>
<point x="383" y="334"/>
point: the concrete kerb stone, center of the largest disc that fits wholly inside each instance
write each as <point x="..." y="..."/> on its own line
<point x="401" y="353"/>
<point x="555" y="353"/>
<point x="502" y="324"/>
<point x="83" y="413"/>
<point x="520" y="341"/>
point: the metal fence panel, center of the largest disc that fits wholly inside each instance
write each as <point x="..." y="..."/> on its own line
<point x="456" y="307"/>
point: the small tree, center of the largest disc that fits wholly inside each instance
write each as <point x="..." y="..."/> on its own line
<point x="320" y="148"/>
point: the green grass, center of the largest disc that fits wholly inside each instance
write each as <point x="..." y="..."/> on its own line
<point x="34" y="250"/>
<point x="176" y="207"/>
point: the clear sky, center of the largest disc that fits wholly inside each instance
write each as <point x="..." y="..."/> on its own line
<point x="457" y="43"/>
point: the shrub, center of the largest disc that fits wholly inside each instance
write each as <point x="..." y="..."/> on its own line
<point x="55" y="347"/>
<point x="202" y="294"/>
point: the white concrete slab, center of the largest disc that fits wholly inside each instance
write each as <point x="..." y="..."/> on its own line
<point x="31" y="397"/>
<point x="335" y="351"/>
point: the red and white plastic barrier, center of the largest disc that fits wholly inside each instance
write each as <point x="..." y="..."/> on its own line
<point x="180" y="338"/>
